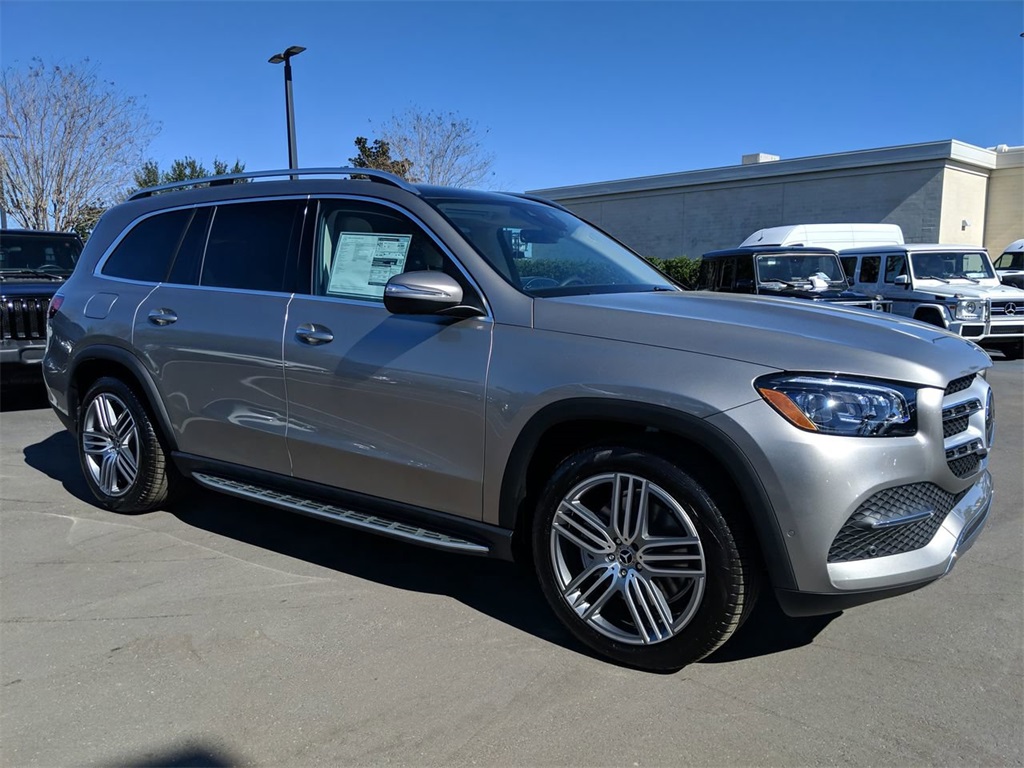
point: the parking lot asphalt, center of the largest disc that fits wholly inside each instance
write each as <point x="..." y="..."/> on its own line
<point x="224" y="633"/>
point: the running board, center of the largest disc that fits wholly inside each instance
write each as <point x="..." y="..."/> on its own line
<point x="359" y="520"/>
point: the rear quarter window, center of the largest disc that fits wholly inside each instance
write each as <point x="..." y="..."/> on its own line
<point x="145" y="253"/>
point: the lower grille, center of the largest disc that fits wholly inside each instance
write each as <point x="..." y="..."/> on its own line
<point x="959" y="385"/>
<point x="865" y="534"/>
<point x="955" y="426"/>
<point x="23" y="318"/>
<point x="965" y="465"/>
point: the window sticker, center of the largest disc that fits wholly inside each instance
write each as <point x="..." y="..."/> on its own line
<point x="363" y="263"/>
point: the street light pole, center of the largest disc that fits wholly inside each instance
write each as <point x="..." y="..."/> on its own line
<point x="285" y="58"/>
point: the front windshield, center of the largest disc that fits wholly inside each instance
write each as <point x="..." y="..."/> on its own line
<point x="800" y="269"/>
<point x="30" y="254"/>
<point x="952" y="265"/>
<point x="1011" y="260"/>
<point x="545" y="251"/>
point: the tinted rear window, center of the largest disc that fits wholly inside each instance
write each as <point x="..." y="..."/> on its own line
<point x="146" y="251"/>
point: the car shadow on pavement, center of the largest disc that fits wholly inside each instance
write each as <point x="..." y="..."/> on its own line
<point x="504" y="591"/>
<point x="56" y="457"/>
<point x="190" y="755"/>
<point x="768" y="630"/>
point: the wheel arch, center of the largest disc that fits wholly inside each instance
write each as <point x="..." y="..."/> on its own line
<point x="561" y="428"/>
<point x="108" y="360"/>
<point x="933" y="314"/>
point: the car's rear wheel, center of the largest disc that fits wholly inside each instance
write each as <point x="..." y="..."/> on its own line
<point x="123" y="461"/>
<point x="639" y="560"/>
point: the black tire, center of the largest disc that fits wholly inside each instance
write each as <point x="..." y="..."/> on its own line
<point x="124" y="463"/>
<point x="703" y="609"/>
<point x="1013" y="351"/>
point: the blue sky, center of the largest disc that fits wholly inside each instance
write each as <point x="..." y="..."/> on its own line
<point x="567" y="92"/>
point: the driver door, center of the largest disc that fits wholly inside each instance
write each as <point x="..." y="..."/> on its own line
<point x="390" y="406"/>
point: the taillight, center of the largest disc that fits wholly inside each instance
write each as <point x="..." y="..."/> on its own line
<point x="55" y="303"/>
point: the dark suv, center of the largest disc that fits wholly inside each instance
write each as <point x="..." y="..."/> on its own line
<point x="488" y="374"/>
<point x="785" y="271"/>
<point x="33" y="264"/>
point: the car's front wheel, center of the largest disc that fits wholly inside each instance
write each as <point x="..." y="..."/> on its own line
<point x="123" y="461"/>
<point x="639" y="560"/>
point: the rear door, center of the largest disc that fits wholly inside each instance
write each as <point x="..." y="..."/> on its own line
<point x="384" y="405"/>
<point x="211" y="334"/>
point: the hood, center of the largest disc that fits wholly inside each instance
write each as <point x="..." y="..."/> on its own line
<point x="829" y="294"/>
<point x="784" y="334"/>
<point x="29" y="286"/>
<point x="969" y="290"/>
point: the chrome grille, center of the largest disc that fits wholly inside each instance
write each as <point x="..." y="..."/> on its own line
<point x="865" y="535"/>
<point x="23" y="318"/>
<point x="1007" y="309"/>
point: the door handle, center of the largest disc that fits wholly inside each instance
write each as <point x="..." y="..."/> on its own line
<point x="311" y="333"/>
<point x="162" y="316"/>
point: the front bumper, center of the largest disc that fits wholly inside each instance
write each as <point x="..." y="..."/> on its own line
<point x="861" y="518"/>
<point x="955" y="536"/>
<point x="28" y="353"/>
<point x="869" y="581"/>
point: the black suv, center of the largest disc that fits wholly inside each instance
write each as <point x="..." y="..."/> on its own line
<point x="800" y="272"/>
<point x="33" y="265"/>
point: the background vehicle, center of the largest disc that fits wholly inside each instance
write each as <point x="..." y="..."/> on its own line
<point x="952" y="286"/>
<point x="488" y="374"/>
<point x="834" y="236"/>
<point x="33" y="264"/>
<point x="1010" y="265"/>
<point x="785" y="271"/>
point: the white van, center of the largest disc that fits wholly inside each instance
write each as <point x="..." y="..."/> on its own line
<point x="952" y="286"/>
<point x="1010" y="266"/>
<point x="834" y="236"/>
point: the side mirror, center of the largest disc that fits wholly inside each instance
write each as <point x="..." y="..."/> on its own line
<point x="425" y="293"/>
<point x="902" y="280"/>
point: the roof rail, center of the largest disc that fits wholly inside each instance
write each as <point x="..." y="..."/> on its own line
<point x="379" y="176"/>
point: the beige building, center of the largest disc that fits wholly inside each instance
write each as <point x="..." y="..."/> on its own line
<point x="942" y="191"/>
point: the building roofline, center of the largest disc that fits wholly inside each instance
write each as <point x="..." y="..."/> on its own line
<point x="946" y="150"/>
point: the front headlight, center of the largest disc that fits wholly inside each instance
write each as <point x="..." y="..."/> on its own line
<point x="970" y="309"/>
<point x="837" y="406"/>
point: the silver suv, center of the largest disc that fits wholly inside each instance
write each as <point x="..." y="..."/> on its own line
<point x="486" y="373"/>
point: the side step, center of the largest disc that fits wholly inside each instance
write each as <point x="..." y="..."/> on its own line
<point x="360" y="520"/>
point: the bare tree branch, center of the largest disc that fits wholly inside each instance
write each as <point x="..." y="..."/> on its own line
<point x="442" y="147"/>
<point x="70" y="144"/>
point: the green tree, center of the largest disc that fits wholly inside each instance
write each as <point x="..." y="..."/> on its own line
<point x="183" y="169"/>
<point x="682" y="269"/>
<point x="378" y="157"/>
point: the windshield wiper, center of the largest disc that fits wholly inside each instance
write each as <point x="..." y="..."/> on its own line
<point x="780" y="282"/>
<point x="26" y="272"/>
<point x="933" y="277"/>
<point x="965" y="277"/>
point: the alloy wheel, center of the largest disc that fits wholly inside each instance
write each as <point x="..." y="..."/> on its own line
<point x="110" y="442"/>
<point x="627" y="558"/>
